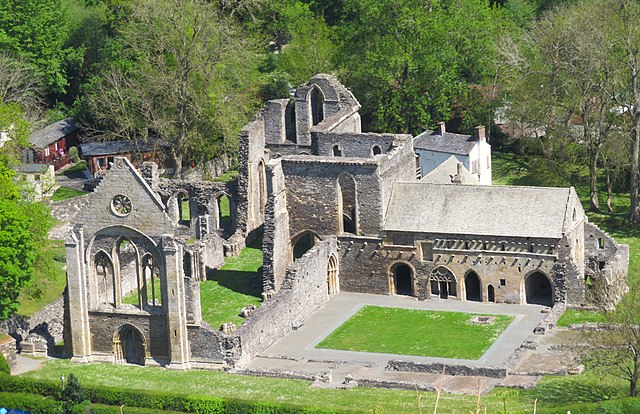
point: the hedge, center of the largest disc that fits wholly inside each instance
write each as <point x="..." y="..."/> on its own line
<point x="29" y="402"/>
<point x="158" y="400"/>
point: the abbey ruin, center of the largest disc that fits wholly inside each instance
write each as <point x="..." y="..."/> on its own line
<point x="337" y="209"/>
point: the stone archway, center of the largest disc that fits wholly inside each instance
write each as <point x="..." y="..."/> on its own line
<point x="129" y="345"/>
<point x="402" y="279"/>
<point x="442" y="283"/>
<point x="333" y="281"/>
<point x="538" y="289"/>
<point x="303" y="243"/>
<point x="472" y="287"/>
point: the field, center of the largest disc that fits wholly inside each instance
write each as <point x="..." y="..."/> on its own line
<point x="416" y="332"/>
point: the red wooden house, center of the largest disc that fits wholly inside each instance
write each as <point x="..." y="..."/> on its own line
<point x="51" y="144"/>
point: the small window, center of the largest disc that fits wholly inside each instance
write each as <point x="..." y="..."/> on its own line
<point x="600" y="243"/>
<point x="503" y="282"/>
<point x="575" y="214"/>
<point x="376" y="150"/>
<point x="474" y="167"/>
<point x="337" y="152"/>
<point x="601" y="265"/>
<point x="46" y="152"/>
<point x="427" y="251"/>
<point x="531" y="248"/>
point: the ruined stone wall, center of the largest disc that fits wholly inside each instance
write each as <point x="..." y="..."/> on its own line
<point x="288" y="149"/>
<point x="304" y="290"/>
<point x="205" y="344"/>
<point x="312" y="194"/>
<point x="276" y="241"/>
<point x="353" y="144"/>
<point x="148" y="214"/>
<point x="251" y="151"/>
<point x="153" y="327"/>
<point x="606" y="266"/>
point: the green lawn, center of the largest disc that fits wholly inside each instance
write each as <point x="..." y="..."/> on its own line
<point x="232" y="287"/>
<point x="572" y="316"/>
<point x="76" y="169"/>
<point x="45" y="288"/>
<point x="228" y="176"/>
<point x="64" y="193"/>
<point x="550" y="392"/>
<point x="416" y="332"/>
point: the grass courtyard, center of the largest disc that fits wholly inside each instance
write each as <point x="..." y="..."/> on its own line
<point x="416" y="332"/>
<point x="232" y="287"/>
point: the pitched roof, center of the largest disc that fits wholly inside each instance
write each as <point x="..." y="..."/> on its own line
<point x="447" y="142"/>
<point x="92" y="149"/>
<point x="478" y="210"/>
<point x="445" y="173"/>
<point x="33" y="168"/>
<point x="53" y="132"/>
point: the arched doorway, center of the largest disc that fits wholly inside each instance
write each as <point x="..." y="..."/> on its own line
<point x="538" y="290"/>
<point x="129" y="345"/>
<point x="402" y="279"/>
<point x="442" y="283"/>
<point x="472" y="287"/>
<point x="491" y="294"/>
<point x="333" y="282"/>
<point x="317" y="105"/>
<point x="303" y="244"/>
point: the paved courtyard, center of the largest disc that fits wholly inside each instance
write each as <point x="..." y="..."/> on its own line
<point x="297" y="351"/>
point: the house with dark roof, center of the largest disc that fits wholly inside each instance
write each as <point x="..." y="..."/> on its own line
<point x="101" y="155"/>
<point x="51" y="144"/>
<point x="433" y="148"/>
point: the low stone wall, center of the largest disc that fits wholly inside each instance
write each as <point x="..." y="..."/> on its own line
<point x="395" y="385"/>
<point x="8" y="350"/>
<point x="303" y="291"/>
<point x="455" y="370"/>
<point x="37" y="334"/>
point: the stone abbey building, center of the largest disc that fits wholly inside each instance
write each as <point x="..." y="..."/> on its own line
<point x="337" y="210"/>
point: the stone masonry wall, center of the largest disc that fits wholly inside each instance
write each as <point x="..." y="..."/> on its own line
<point x="312" y="197"/>
<point x="304" y="290"/>
<point x="352" y="144"/>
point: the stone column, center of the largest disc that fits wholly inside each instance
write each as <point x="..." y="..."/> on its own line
<point x="78" y="307"/>
<point x="174" y="305"/>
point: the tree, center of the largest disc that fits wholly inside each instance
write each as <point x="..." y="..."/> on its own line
<point x="409" y="61"/>
<point x="23" y="225"/>
<point x="192" y="86"/>
<point x="561" y="82"/>
<point x="20" y="84"/>
<point x="617" y="351"/>
<point x="35" y="31"/>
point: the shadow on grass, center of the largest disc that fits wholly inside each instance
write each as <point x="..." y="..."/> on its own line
<point x="571" y="390"/>
<point x="247" y="283"/>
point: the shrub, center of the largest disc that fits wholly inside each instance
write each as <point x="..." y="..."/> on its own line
<point x="4" y="365"/>
<point x="30" y="402"/>
<point x="73" y="154"/>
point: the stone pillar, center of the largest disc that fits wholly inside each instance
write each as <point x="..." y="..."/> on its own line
<point x="78" y="306"/>
<point x="174" y="292"/>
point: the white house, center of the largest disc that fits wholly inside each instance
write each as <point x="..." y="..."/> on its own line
<point x="433" y="148"/>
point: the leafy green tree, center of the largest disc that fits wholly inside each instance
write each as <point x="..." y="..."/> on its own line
<point x="23" y="225"/>
<point x="35" y="30"/>
<point x="409" y="61"/>
<point x="193" y="84"/>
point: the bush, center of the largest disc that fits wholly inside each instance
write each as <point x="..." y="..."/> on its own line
<point x="73" y="154"/>
<point x="4" y="365"/>
<point x="156" y="400"/>
<point x="30" y="402"/>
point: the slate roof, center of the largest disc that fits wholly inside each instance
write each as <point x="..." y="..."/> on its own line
<point x="53" y="132"/>
<point x="33" y="168"/>
<point x="92" y="149"/>
<point x="478" y="210"/>
<point x="444" y="173"/>
<point x="448" y="142"/>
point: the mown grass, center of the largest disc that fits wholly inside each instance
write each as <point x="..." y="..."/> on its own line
<point x="46" y="287"/>
<point x="227" y="176"/>
<point x="65" y="193"/>
<point x="551" y="392"/>
<point x="234" y="286"/>
<point x="76" y="169"/>
<point x="573" y="316"/>
<point x="416" y="332"/>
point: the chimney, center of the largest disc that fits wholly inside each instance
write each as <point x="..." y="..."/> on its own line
<point x="480" y="133"/>
<point x="441" y="128"/>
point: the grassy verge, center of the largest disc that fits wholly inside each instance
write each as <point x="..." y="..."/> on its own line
<point x="227" y="290"/>
<point x="551" y="392"/>
<point x="416" y="332"/>
<point x="572" y="316"/>
<point x="65" y="193"/>
<point x="46" y="287"/>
